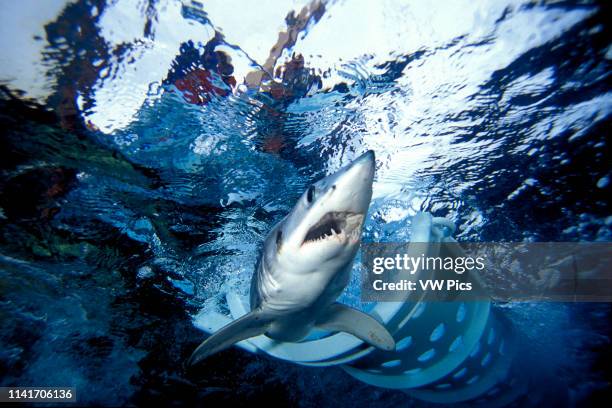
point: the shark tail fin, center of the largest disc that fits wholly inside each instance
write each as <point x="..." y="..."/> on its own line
<point x="340" y="317"/>
<point x="250" y="325"/>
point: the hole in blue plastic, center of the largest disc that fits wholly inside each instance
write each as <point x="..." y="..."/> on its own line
<point x="485" y="360"/>
<point x="437" y="333"/>
<point x="418" y="310"/>
<point x="456" y="344"/>
<point x="460" y="373"/>
<point x="491" y="336"/>
<point x="392" y="363"/>
<point x="502" y="347"/>
<point x="403" y="344"/>
<point x="475" y="350"/>
<point x="460" y="313"/>
<point x="428" y="355"/>
<point x="473" y="379"/>
<point x="443" y="386"/>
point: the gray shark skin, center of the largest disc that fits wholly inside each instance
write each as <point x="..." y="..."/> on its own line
<point x="305" y="265"/>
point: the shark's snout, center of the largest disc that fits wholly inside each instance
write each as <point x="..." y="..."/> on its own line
<point x="363" y="165"/>
<point x="366" y="157"/>
<point x="354" y="183"/>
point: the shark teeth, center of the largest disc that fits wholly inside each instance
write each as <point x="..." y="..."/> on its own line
<point x="332" y="225"/>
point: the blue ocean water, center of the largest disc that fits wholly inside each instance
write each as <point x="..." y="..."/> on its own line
<point x="148" y="147"/>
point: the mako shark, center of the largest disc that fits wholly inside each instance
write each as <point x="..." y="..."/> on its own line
<point x="305" y="265"/>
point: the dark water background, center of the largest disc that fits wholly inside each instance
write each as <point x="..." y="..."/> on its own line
<point x="140" y="173"/>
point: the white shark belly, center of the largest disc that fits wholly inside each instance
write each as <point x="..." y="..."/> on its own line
<point x="291" y="293"/>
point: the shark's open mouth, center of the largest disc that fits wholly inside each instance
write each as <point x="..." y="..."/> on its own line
<point x="334" y="225"/>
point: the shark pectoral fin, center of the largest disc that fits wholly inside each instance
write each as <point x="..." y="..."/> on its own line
<point x="339" y="317"/>
<point x="250" y="325"/>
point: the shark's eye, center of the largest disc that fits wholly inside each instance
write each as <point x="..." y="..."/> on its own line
<point x="310" y="194"/>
